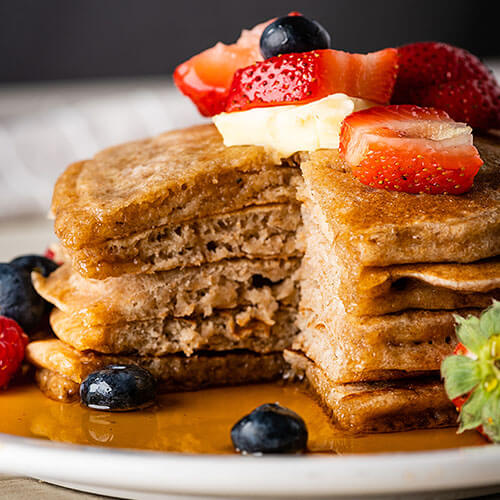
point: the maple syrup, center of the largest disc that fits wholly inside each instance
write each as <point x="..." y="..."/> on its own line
<point x="198" y="422"/>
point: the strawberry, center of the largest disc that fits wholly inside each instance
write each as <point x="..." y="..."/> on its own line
<point x="308" y="76"/>
<point x="448" y="78"/>
<point x="410" y="149"/>
<point x="13" y="341"/>
<point x="476" y="102"/>
<point x="206" y="77"/>
<point x="472" y="374"/>
<point x="430" y="63"/>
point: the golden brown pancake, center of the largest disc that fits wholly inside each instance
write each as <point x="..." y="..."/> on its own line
<point x="376" y="227"/>
<point x="385" y="406"/>
<point x="241" y="283"/>
<point x="223" y="330"/>
<point x="173" y="373"/>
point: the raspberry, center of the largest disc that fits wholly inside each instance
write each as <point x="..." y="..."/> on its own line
<point x="49" y="253"/>
<point x="13" y="341"/>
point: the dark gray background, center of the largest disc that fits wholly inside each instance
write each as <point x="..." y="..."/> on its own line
<point x="53" y="39"/>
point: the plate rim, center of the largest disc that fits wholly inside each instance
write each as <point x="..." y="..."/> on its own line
<point x="291" y="476"/>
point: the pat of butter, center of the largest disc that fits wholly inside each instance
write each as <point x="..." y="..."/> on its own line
<point x="290" y="128"/>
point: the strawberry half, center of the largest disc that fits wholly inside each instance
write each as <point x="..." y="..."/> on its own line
<point x="472" y="374"/>
<point x="476" y="102"/>
<point x="410" y="149"/>
<point x="206" y="77"/>
<point x="308" y="76"/>
<point x="430" y="63"/>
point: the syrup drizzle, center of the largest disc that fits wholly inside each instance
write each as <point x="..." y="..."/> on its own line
<point x="199" y="422"/>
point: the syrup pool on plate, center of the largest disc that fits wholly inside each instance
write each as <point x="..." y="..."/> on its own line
<point x="199" y="422"/>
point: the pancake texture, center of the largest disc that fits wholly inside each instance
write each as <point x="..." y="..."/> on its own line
<point x="384" y="406"/>
<point x="221" y="331"/>
<point x="382" y="228"/>
<point x="241" y="283"/>
<point x="369" y="291"/>
<point x="173" y="373"/>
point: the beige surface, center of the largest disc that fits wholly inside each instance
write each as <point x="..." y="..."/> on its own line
<point x="15" y="488"/>
<point x="24" y="235"/>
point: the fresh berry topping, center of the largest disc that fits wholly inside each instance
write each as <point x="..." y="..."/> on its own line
<point x="118" y="388"/>
<point x="50" y="254"/>
<point x="472" y="374"/>
<point x="206" y="77"/>
<point x="270" y="428"/>
<point x="430" y="63"/>
<point x="18" y="299"/>
<point x="13" y="341"/>
<point x="475" y="102"/>
<point x="38" y="263"/>
<point x="293" y="33"/>
<point x="308" y="76"/>
<point x="410" y="149"/>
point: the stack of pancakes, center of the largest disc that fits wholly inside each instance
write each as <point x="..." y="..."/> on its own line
<point x="185" y="256"/>
<point x="181" y="256"/>
<point x="382" y="277"/>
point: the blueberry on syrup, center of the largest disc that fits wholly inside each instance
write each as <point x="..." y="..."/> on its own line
<point x="270" y="428"/>
<point x="18" y="299"/>
<point x="37" y="263"/>
<point x="290" y="34"/>
<point x="118" y="388"/>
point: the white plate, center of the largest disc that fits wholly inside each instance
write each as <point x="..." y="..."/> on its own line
<point x="456" y="473"/>
<point x="132" y="474"/>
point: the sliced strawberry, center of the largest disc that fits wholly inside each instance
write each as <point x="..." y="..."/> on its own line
<point x="206" y="77"/>
<point x="476" y="102"/>
<point x="308" y="76"/>
<point x="410" y="149"/>
<point x="430" y="63"/>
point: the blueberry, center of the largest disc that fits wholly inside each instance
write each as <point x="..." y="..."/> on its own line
<point x="35" y="263"/>
<point x="118" y="388"/>
<point x="293" y="34"/>
<point x="18" y="299"/>
<point x="270" y="428"/>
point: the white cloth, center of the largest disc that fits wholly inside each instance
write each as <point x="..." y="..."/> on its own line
<point x="44" y="128"/>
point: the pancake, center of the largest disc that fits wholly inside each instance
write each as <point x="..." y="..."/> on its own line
<point x="259" y="232"/>
<point x="62" y="368"/>
<point x="382" y="290"/>
<point x="382" y="406"/>
<point x="378" y="347"/>
<point x="223" y="330"/>
<point x="376" y="227"/>
<point x="228" y="284"/>
<point x="172" y="178"/>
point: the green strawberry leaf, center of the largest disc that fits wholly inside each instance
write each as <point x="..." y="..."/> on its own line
<point x="491" y="416"/>
<point x="469" y="333"/>
<point x="479" y="378"/>
<point x="489" y="322"/>
<point x="471" y="415"/>
<point x="461" y="374"/>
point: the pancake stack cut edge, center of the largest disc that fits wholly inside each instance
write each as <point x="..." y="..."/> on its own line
<point x="187" y="257"/>
<point x="182" y="256"/>
<point x="376" y="317"/>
